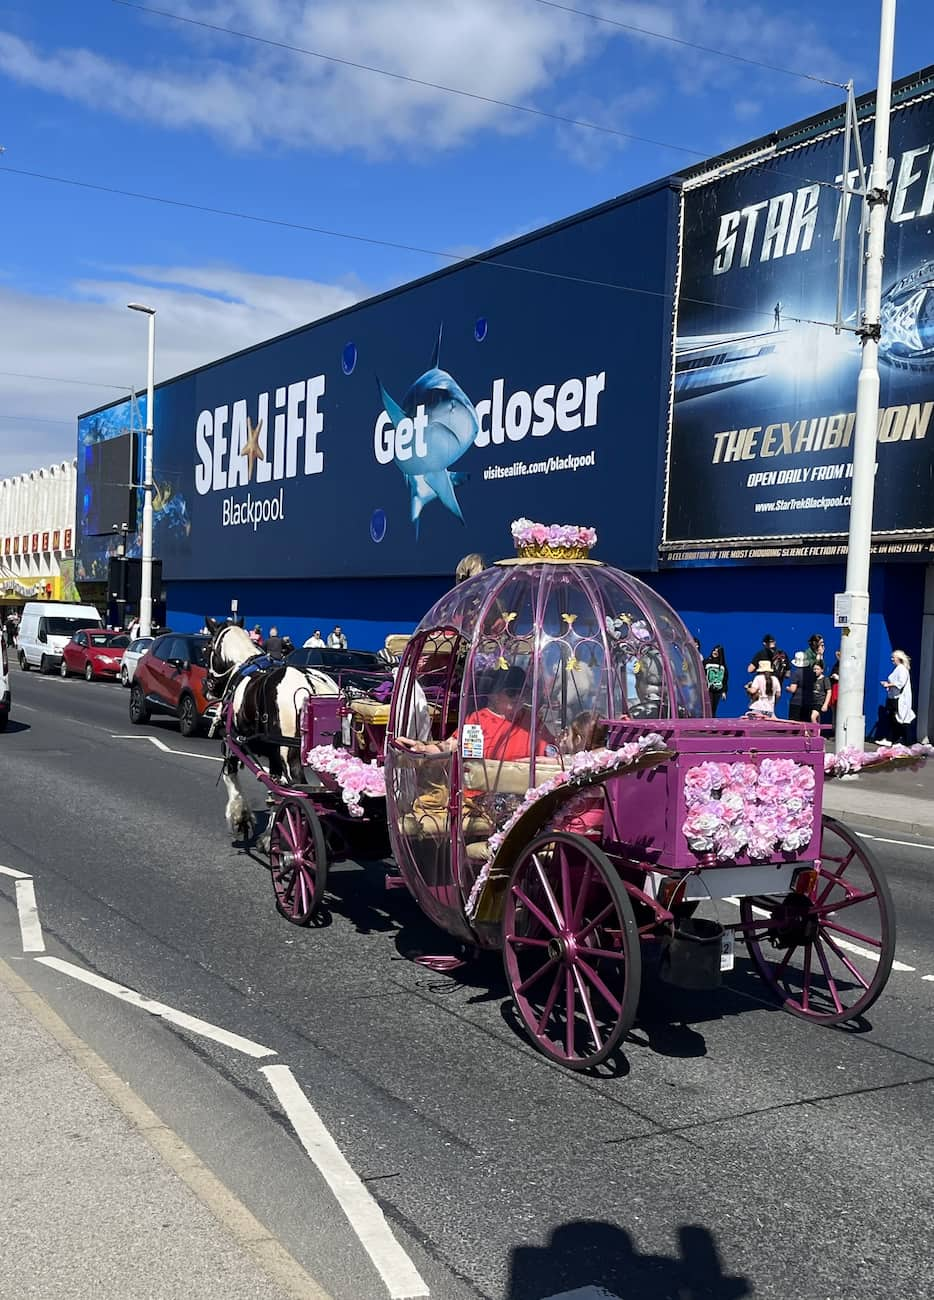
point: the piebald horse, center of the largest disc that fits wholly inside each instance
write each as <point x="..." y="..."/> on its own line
<point x="267" y="710"/>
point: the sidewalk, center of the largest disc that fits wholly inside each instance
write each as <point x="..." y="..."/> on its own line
<point x="900" y="800"/>
<point x="100" y="1201"/>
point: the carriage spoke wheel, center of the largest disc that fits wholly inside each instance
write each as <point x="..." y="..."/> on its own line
<point x="827" y="955"/>
<point x="298" y="860"/>
<point x="571" y="949"/>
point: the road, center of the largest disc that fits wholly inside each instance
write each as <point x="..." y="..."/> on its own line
<point x="735" y="1152"/>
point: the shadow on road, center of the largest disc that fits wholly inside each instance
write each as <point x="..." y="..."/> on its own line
<point x="599" y="1259"/>
<point x="14" y="725"/>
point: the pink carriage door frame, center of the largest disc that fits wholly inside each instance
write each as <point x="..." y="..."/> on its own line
<point x="422" y="791"/>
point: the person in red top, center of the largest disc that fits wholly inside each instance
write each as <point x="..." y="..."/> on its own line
<point x="504" y="724"/>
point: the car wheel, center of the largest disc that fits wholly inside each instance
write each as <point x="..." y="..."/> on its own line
<point x="4" y="719"/>
<point x="63" y="670"/>
<point x="139" y="709"/>
<point x="189" y="721"/>
<point x="44" y="666"/>
<point x="124" y="676"/>
<point x="23" y="661"/>
<point x="88" y="672"/>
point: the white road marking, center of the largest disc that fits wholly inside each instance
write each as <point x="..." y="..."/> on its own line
<point x="908" y="844"/>
<point x="399" y="1274"/>
<point x="185" y="753"/>
<point x="180" y="1018"/>
<point x="17" y="875"/>
<point x="29" y="926"/>
<point x="842" y="943"/>
<point x="927" y="977"/>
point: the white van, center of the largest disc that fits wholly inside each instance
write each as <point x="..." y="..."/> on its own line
<point x="4" y="683"/>
<point x="45" y="629"/>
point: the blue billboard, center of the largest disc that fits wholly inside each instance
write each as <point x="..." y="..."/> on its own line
<point x="398" y="435"/>
<point x="760" y="450"/>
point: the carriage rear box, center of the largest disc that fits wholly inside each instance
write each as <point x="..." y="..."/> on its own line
<point x="649" y="810"/>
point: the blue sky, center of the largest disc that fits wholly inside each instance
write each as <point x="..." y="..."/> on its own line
<point x="104" y="93"/>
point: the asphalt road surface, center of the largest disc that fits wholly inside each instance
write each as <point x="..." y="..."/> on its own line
<point x="735" y="1151"/>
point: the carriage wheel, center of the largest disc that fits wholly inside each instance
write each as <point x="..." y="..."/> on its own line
<point x="298" y="860"/>
<point x="827" y="955"/>
<point x="571" y="949"/>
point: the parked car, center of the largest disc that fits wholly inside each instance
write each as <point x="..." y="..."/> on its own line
<point x="5" y="699"/>
<point x="94" y="653"/>
<point x="131" y="657"/>
<point x="45" y="629"/>
<point x="360" y="668"/>
<point x="169" y="678"/>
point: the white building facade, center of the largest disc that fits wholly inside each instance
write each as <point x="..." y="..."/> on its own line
<point x="37" y="525"/>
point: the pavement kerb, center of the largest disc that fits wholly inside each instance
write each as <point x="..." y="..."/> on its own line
<point x="882" y="823"/>
<point x="231" y="1213"/>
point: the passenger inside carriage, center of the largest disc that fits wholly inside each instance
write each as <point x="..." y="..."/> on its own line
<point x="504" y="725"/>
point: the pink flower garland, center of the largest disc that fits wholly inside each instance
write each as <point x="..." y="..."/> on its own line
<point x="741" y="808"/>
<point x="527" y="533"/>
<point x="586" y="763"/>
<point x="355" y="777"/>
<point x="848" y="761"/>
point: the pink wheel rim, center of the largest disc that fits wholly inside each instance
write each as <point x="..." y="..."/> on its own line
<point x="294" y="861"/>
<point x="828" y="956"/>
<point x="571" y="950"/>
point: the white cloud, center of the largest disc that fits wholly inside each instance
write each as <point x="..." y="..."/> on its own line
<point x="203" y="313"/>
<point x="250" y="95"/>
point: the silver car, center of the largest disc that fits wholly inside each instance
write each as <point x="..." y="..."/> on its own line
<point x="131" y="657"/>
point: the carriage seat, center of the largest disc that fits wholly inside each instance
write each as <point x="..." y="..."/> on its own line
<point x="508" y="776"/>
<point x="371" y="711"/>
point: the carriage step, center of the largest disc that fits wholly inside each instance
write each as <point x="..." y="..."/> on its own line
<point x="394" y="881"/>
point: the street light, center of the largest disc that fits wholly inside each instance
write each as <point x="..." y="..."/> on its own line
<point x="145" y="585"/>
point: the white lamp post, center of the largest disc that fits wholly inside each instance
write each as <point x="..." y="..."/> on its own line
<point x="145" y="586"/>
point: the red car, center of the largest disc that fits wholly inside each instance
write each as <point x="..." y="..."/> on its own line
<point x="170" y="679"/>
<point x="94" y="653"/>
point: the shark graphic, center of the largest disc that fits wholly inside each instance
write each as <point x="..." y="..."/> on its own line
<point x="453" y="425"/>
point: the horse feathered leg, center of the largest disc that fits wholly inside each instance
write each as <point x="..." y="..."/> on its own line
<point x="239" y="815"/>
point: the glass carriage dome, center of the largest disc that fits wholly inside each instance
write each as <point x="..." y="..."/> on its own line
<point x="576" y="641"/>
<point x="507" y="677"/>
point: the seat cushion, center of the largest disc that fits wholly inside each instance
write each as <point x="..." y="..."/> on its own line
<point x="370" y="711"/>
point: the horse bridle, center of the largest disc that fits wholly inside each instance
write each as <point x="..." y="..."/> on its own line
<point x="227" y="675"/>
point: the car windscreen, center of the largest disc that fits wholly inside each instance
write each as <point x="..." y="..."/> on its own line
<point x="108" y="638"/>
<point x="362" y="660"/>
<point x="62" y="626"/>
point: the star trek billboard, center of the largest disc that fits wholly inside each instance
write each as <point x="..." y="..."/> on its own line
<point x="395" y="437"/>
<point x="760" y="449"/>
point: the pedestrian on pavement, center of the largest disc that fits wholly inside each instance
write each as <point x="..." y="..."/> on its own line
<point x="815" y="648"/>
<point x="273" y="644"/>
<point x="316" y="640"/>
<point x="337" y="640"/>
<point x="256" y="635"/>
<point x="763" y="691"/>
<point x="718" y="677"/>
<point x="808" y="688"/>
<point x="898" y="702"/>
<point x="765" y="651"/>
<point x="12" y="626"/>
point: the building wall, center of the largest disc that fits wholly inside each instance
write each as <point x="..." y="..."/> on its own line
<point x="37" y="505"/>
<point x="736" y="607"/>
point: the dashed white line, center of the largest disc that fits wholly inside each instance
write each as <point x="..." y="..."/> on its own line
<point x="908" y="844"/>
<point x="185" y="753"/>
<point x="29" y="926"/>
<point x="17" y="875"/>
<point x="180" y="1018"/>
<point x="401" y="1278"/>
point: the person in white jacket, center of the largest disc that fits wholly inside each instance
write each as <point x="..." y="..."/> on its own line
<point x="898" y="702"/>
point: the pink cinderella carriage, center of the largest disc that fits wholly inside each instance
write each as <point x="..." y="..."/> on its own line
<point x="554" y="787"/>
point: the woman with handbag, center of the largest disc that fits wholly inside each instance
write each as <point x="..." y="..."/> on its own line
<point x="898" y="703"/>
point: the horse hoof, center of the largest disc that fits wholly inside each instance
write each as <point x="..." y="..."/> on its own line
<point x="263" y="843"/>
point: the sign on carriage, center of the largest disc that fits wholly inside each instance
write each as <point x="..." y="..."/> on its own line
<point x="396" y="436"/>
<point x="760" y="449"/>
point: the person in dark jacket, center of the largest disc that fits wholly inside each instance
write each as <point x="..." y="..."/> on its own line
<point x="273" y="644"/>
<point x="718" y="677"/>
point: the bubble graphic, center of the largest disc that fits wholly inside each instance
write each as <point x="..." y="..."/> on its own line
<point x="480" y="328"/>
<point x="378" y="525"/>
<point x="349" y="358"/>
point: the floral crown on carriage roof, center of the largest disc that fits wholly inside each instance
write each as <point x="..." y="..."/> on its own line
<point x="552" y="541"/>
